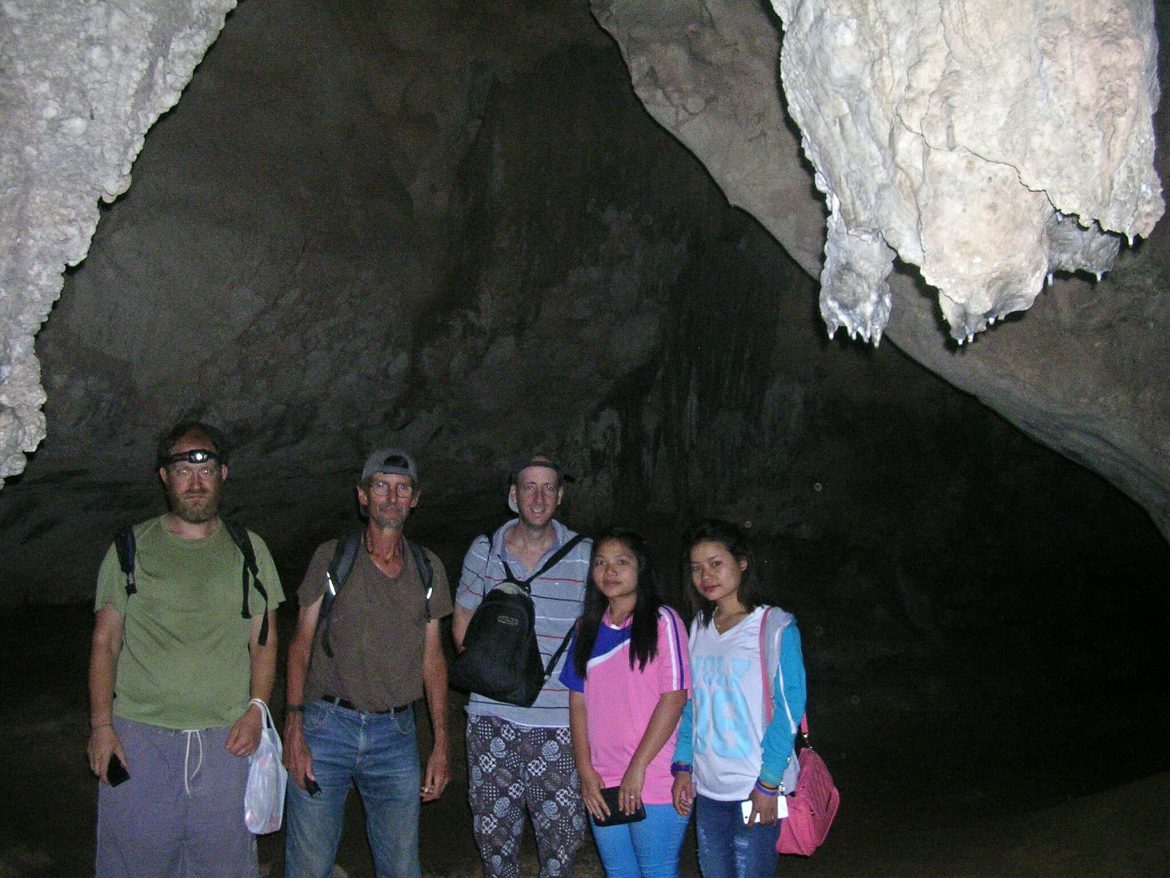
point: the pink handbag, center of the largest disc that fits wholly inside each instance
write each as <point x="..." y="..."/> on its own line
<point x="812" y="807"/>
<point x="813" y="804"/>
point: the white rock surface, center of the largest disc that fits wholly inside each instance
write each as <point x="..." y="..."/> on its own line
<point x="80" y="84"/>
<point x="1084" y="370"/>
<point x="989" y="142"/>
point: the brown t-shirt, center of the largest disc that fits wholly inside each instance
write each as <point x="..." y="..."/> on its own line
<point x="376" y="631"/>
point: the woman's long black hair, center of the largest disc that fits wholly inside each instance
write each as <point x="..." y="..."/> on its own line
<point x="644" y="629"/>
<point x="715" y="530"/>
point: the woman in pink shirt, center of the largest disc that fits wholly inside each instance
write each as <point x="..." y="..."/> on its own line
<point x="628" y="681"/>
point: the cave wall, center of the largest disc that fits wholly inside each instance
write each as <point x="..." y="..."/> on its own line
<point x="462" y="264"/>
<point x="430" y="226"/>
<point x="1085" y="369"/>
<point x="79" y="87"/>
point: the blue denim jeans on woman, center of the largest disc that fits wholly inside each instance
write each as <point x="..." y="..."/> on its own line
<point x="646" y="849"/>
<point x="379" y="753"/>
<point x="728" y="848"/>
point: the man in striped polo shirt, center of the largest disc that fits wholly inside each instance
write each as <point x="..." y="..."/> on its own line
<point x="521" y="758"/>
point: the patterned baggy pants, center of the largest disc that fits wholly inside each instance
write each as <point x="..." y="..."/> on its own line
<point x="511" y="768"/>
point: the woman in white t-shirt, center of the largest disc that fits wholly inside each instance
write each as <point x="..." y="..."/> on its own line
<point x="733" y="750"/>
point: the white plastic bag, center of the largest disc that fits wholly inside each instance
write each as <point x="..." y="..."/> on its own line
<point x="267" y="778"/>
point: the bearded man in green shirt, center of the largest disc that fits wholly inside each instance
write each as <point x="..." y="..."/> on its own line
<point x="174" y="668"/>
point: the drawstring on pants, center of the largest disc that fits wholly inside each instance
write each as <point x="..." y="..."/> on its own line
<point x="190" y="776"/>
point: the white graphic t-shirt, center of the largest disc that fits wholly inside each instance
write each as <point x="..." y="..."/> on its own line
<point x="728" y="693"/>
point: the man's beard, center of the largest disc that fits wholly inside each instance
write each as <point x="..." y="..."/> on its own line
<point x="195" y="508"/>
<point x="387" y="516"/>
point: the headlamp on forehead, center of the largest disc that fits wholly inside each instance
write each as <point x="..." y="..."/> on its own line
<point x="195" y="455"/>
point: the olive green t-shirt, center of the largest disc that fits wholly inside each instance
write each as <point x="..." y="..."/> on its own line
<point x="184" y="662"/>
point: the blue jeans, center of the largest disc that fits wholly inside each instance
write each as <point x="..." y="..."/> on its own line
<point x="646" y="849"/>
<point x="727" y="848"/>
<point x="379" y="753"/>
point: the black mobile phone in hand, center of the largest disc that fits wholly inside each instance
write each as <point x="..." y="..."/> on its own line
<point x="116" y="772"/>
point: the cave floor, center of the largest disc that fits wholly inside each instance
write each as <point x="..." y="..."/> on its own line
<point x="1053" y="784"/>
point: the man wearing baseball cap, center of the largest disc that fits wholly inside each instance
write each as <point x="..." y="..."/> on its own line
<point x="366" y="648"/>
<point x="521" y="758"/>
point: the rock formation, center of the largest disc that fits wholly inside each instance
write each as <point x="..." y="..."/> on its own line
<point x="81" y="84"/>
<point x="989" y="144"/>
<point x="989" y="148"/>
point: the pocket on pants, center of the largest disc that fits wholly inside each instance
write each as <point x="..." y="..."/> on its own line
<point x="314" y="717"/>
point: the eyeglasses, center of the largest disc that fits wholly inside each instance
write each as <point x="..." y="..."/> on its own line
<point x="384" y="489"/>
<point x="178" y="464"/>
<point x="180" y="471"/>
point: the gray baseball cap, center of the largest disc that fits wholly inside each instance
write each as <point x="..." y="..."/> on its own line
<point x="391" y="461"/>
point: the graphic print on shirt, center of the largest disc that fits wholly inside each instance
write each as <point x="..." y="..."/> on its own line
<point x="722" y="708"/>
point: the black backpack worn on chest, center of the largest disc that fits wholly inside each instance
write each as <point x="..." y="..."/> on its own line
<point x="499" y="656"/>
<point x="342" y="564"/>
<point x="124" y="544"/>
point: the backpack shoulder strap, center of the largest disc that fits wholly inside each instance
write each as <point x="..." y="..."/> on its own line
<point x="124" y="545"/>
<point x="550" y="563"/>
<point x="771" y="630"/>
<point x="336" y="575"/>
<point x="426" y="573"/>
<point x="340" y="566"/>
<point x="243" y="542"/>
<point x="553" y="560"/>
<point x="509" y="576"/>
<point x="555" y="657"/>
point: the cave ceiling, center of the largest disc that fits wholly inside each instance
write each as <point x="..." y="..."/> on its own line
<point x="884" y="90"/>
<point x="455" y="228"/>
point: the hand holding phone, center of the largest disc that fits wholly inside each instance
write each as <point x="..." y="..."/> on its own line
<point x="116" y="772"/>
<point x="781" y="809"/>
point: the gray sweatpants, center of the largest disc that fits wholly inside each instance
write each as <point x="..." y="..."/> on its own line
<point x="181" y="813"/>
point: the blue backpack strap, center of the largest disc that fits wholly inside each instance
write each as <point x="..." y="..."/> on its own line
<point x="244" y="543"/>
<point x="124" y="544"/>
